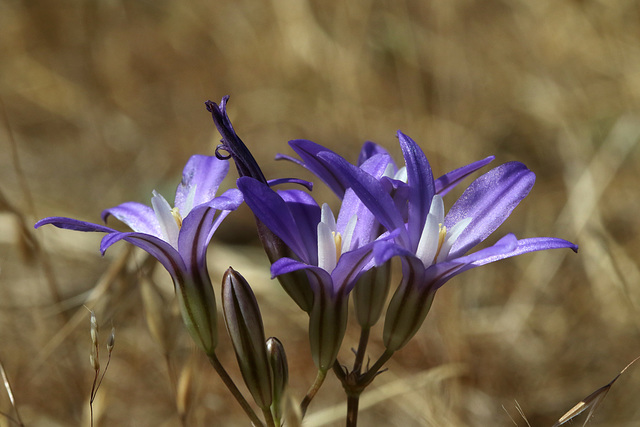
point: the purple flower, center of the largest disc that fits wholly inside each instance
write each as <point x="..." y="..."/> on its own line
<point x="371" y="292"/>
<point x="334" y="253"/>
<point x="433" y="246"/>
<point x="177" y="236"/>
<point x="294" y="283"/>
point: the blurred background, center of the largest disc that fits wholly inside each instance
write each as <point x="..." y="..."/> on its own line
<point x="102" y="102"/>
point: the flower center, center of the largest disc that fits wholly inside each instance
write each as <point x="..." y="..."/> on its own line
<point x="169" y="219"/>
<point x="436" y="241"/>
<point x="332" y="243"/>
<point x="175" y="212"/>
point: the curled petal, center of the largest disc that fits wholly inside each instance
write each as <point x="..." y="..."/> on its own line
<point x="231" y="142"/>
<point x="278" y="181"/>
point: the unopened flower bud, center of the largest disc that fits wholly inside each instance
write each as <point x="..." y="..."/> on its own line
<point x="327" y="325"/>
<point x="244" y="324"/>
<point x="407" y="310"/>
<point x="197" y="304"/>
<point x="280" y="372"/>
<point x="370" y="294"/>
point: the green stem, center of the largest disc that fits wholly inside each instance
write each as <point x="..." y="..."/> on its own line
<point x="312" y="391"/>
<point x="226" y="379"/>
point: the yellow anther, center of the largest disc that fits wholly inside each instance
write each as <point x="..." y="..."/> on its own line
<point x="176" y="215"/>
<point x="442" y="233"/>
<point x="337" y="238"/>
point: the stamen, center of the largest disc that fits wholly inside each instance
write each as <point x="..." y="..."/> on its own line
<point x="331" y="243"/>
<point x="176" y="215"/>
<point x="337" y="237"/>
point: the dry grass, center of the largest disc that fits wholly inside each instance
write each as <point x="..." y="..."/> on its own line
<point x="103" y="102"/>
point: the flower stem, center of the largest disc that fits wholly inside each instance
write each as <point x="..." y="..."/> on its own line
<point x="268" y="417"/>
<point x="312" y="391"/>
<point x="362" y="347"/>
<point x="226" y="379"/>
<point x="352" y="410"/>
<point x="371" y="373"/>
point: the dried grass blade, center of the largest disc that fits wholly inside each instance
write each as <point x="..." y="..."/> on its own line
<point x="592" y="401"/>
<point x="7" y="386"/>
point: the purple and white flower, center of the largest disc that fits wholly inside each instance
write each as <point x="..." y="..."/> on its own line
<point x="176" y="236"/>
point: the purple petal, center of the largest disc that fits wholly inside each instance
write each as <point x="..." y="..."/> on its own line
<point x="230" y="200"/>
<point x="525" y="246"/>
<point x="448" y="181"/>
<point x="140" y="218"/>
<point x="280" y="156"/>
<point x="370" y="191"/>
<point x="350" y="267"/>
<point x="269" y="208"/>
<point x="306" y="214"/>
<point x="159" y="249"/>
<point x="306" y="184"/>
<point x="370" y="149"/>
<point x="367" y="227"/>
<point x="489" y="200"/>
<point x="73" y="224"/>
<point x="201" y="178"/>
<point x="308" y="152"/>
<point x="506" y="247"/>
<point x="194" y="237"/>
<point x="231" y="142"/>
<point x="376" y="165"/>
<point x="384" y="251"/>
<point x="288" y="265"/>
<point x="421" y="186"/>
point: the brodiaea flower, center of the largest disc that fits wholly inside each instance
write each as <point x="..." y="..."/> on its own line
<point x="333" y="253"/>
<point x="432" y="245"/>
<point x="177" y="237"/>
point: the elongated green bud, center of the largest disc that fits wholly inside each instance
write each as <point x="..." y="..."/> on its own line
<point x="370" y="294"/>
<point x="406" y="313"/>
<point x="244" y="324"/>
<point x="197" y="304"/>
<point x="327" y="325"/>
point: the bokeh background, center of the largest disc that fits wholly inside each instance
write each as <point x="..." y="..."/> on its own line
<point x="103" y="101"/>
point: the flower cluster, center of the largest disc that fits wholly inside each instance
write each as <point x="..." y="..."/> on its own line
<point x="322" y="259"/>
